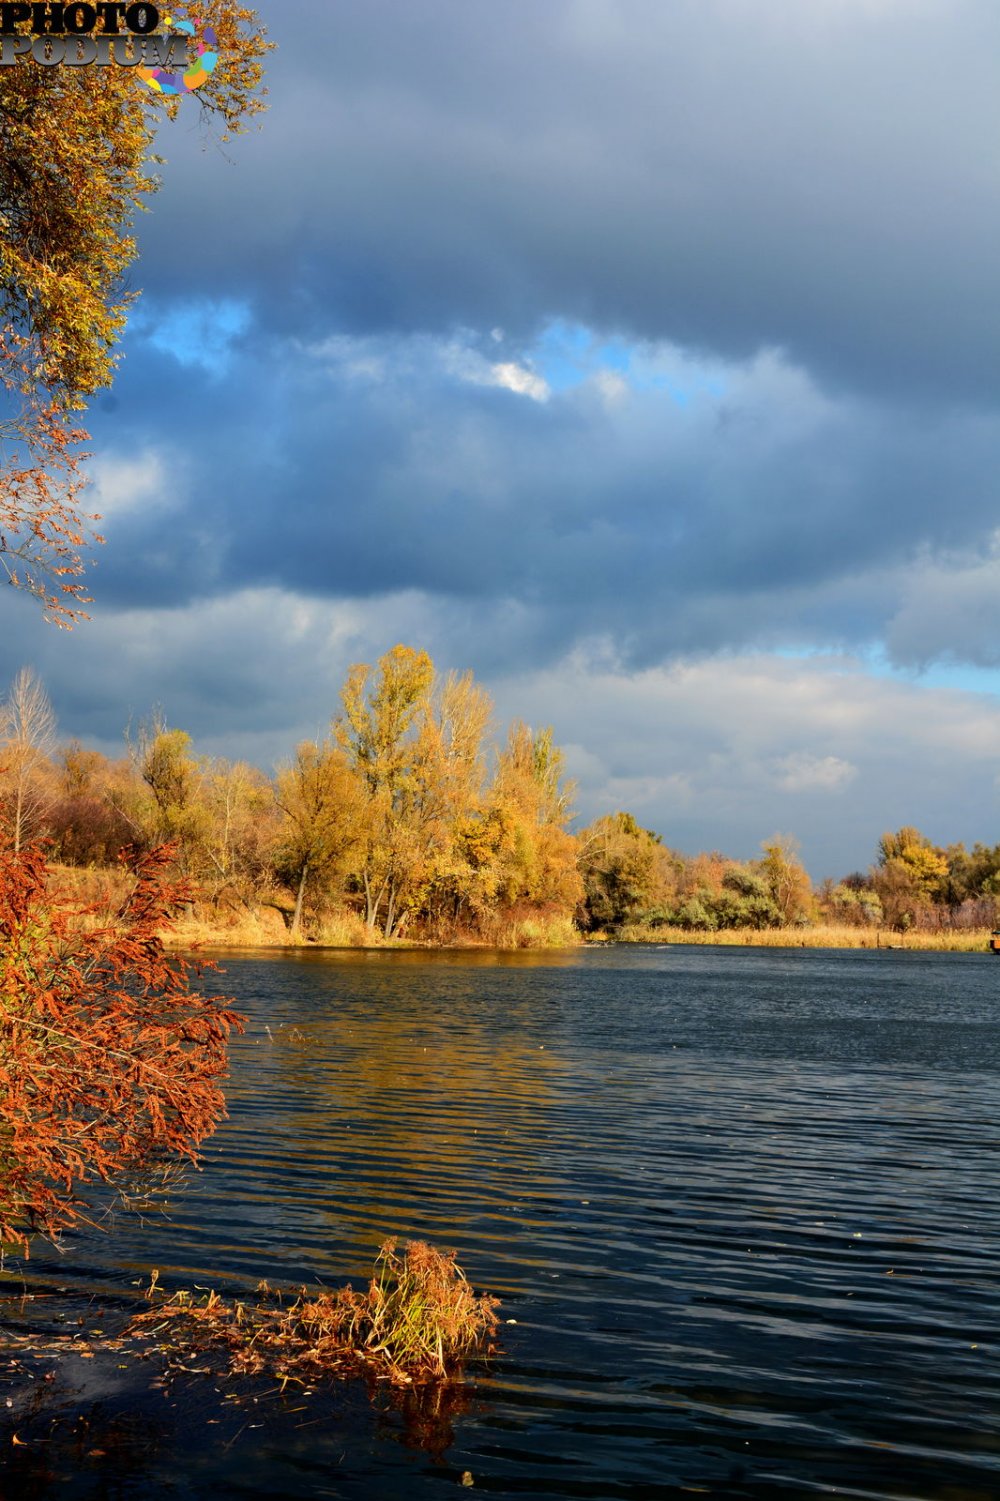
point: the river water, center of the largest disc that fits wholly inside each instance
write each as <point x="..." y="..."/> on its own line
<point x="743" y="1207"/>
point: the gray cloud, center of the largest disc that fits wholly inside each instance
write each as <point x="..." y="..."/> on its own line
<point x="949" y="610"/>
<point x="725" y="752"/>
<point x="721" y="175"/>
<point x="679" y="506"/>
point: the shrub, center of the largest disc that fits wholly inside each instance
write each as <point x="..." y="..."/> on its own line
<point x="420" y="1313"/>
<point x="109" y="1063"/>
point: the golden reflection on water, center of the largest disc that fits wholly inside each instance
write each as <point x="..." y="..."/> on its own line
<point x="459" y="958"/>
<point x="383" y="1116"/>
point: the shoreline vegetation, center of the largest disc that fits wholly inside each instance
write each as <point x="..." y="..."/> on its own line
<point x="266" y="928"/>
<point x="251" y="933"/>
<point x="200" y="937"/>
<point x="822" y="936"/>
<point x="412" y="825"/>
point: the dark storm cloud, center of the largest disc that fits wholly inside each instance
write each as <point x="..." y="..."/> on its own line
<point x="723" y="175"/>
<point x="791" y="206"/>
<point x="677" y="508"/>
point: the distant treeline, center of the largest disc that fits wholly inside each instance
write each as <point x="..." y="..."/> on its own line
<point x="632" y="879"/>
<point x="410" y="820"/>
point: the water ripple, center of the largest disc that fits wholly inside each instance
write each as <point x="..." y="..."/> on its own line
<point x="743" y="1206"/>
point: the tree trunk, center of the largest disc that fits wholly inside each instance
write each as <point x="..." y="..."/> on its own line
<point x="373" y="903"/>
<point x="390" y="912"/>
<point x="297" y="914"/>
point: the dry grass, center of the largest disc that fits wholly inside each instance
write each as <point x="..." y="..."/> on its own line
<point x="267" y="923"/>
<point x="546" y="933"/>
<point x="530" y="930"/>
<point x="822" y="936"/>
<point x="417" y="1322"/>
<point x="259" y="928"/>
<point x="346" y="929"/>
<point x="104" y="889"/>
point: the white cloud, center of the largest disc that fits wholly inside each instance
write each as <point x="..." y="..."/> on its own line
<point x="460" y="359"/>
<point x="612" y="386"/>
<point x="381" y="359"/>
<point x="803" y="772"/>
<point x="118" y="485"/>
<point x="517" y="378"/>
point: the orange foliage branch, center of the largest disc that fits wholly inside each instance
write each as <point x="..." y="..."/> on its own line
<point x="109" y="1062"/>
<point x="43" y="529"/>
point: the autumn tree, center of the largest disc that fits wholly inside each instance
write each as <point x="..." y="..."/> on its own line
<point x="909" y="875"/>
<point x="76" y="163"/>
<point x="438" y="845"/>
<point x="321" y="820"/>
<point x="973" y="875"/>
<point x="379" y="732"/>
<point x="853" y="901"/>
<point x="446" y="887"/>
<point x="173" y="810"/>
<point x="532" y="800"/>
<point x="407" y="812"/>
<point x="240" y="828"/>
<point x="87" y="819"/>
<point x="27" y="739"/>
<point x="787" y="880"/>
<point x="110" y="1062"/>
<point x="922" y="863"/>
<point x="627" y="872"/>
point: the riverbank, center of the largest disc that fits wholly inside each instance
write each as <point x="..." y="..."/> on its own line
<point x="94" y="894"/>
<point x="268" y="926"/>
<point x="248" y="935"/>
<point x="349" y="931"/>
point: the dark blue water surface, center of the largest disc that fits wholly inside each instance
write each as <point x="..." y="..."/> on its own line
<point x="743" y="1205"/>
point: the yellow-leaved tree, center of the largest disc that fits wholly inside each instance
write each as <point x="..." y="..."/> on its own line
<point x="76" y="161"/>
<point x="535" y="861"/>
<point x="384" y="734"/>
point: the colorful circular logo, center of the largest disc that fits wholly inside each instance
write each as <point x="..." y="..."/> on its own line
<point x="198" y="71"/>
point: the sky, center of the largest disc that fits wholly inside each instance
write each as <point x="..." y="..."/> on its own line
<point x="642" y="358"/>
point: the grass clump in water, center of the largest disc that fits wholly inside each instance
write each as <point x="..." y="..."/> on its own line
<point x="418" y="1321"/>
<point x="420" y="1314"/>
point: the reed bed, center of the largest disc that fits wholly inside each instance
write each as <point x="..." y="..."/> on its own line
<point x="822" y="936"/>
